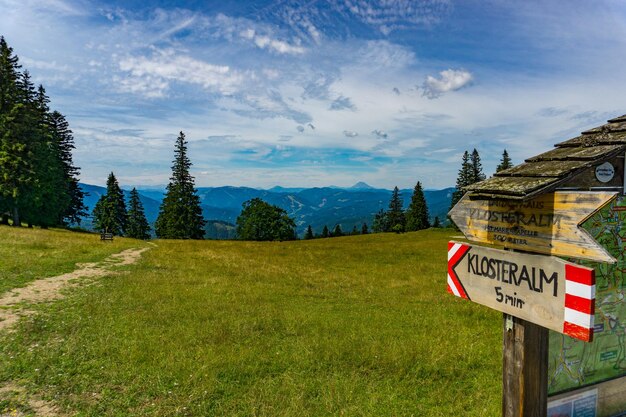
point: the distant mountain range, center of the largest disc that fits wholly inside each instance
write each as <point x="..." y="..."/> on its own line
<point x="317" y="207"/>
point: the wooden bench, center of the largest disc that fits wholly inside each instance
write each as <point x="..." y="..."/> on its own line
<point x="106" y="236"/>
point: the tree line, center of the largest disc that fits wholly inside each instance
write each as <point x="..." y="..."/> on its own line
<point x="180" y="213"/>
<point x="39" y="181"/>
<point x="396" y="219"/>
<point x="336" y="232"/>
<point x="471" y="172"/>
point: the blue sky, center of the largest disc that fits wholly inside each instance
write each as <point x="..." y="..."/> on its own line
<point x="320" y="92"/>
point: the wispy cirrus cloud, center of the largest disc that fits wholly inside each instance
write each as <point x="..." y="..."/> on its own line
<point x="152" y="75"/>
<point x="61" y="7"/>
<point x="388" y="16"/>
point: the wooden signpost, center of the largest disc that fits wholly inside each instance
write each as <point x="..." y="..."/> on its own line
<point x="546" y="224"/>
<point x="545" y="290"/>
<point x="535" y="292"/>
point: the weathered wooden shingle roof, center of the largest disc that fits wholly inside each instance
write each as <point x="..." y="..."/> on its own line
<point x="547" y="171"/>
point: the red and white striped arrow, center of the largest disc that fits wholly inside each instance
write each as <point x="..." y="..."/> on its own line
<point x="554" y="293"/>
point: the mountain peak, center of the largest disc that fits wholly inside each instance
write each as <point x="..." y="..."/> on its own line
<point x="361" y="186"/>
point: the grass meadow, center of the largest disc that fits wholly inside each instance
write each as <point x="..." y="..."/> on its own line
<point x="353" y="326"/>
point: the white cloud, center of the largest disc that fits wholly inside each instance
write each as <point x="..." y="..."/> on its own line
<point x="151" y="75"/>
<point x="350" y="133"/>
<point x="266" y="42"/>
<point x="448" y="80"/>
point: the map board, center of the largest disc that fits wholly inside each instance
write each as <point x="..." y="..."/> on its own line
<point x="574" y="364"/>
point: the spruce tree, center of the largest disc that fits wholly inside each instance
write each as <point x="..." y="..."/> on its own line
<point x="337" y="232"/>
<point x="63" y="137"/>
<point x="380" y="223"/>
<point x="364" y="230"/>
<point x="16" y="135"/>
<point x="109" y="214"/>
<point x="325" y="231"/>
<point x="34" y="185"/>
<point x="137" y="226"/>
<point x="505" y="162"/>
<point x="355" y="231"/>
<point x="180" y="214"/>
<point x="417" y="213"/>
<point x="462" y="180"/>
<point x="309" y="233"/>
<point x="436" y="222"/>
<point x="395" y="214"/>
<point x="476" y="168"/>
<point x="46" y="198"/>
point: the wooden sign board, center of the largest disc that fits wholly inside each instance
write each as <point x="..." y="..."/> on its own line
<point x="547" y="224"/>
<point x="544" y="290"/>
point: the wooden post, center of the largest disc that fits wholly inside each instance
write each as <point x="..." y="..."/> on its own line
<point x="524" y="369"/>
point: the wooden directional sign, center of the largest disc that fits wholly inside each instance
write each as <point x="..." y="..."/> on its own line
<point x="547" y="224"/>
<point x="544" y="290"/>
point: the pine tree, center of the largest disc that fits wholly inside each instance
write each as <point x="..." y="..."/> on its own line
<point x="137" y="226"/>
<point x="462" y="180"/>
<point x="16" y="131"/>
<point x="337" y="232"/>
<point x="180" y="215"/>
<point x="505" y="162"/>
<point x="325" y="232"/>
<point x="309" y="233"/>
<point x="62" y="135"/>
<point x="355" y="231"/>
<point x="109" y="214"/>
<point x="417" y="213"/>
<point x="46" y="198"/>
<point x="34" y="186"/>
<point x="395" y="214"/>
<point x="436" y="222"/>
<point x="477" y="168"/>
<point x="364" y="230"/>
<point x="380" y="223"/>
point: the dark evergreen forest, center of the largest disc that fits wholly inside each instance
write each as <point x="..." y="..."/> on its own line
<point x="38" y="179"/>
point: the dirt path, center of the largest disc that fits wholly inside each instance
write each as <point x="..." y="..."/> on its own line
<point x="36" y="405"/>
<point x="15" y="303"/>
<point x="18" y="303"/>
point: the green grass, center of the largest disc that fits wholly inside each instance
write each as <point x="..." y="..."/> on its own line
<point x="29" y="254"/>
<point x="355" y="326"/>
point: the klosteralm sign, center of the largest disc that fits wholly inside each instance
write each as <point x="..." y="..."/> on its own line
<point x="546" y="224"/>
<point x="545" y="290"/>
<point x="565" y="203"/>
